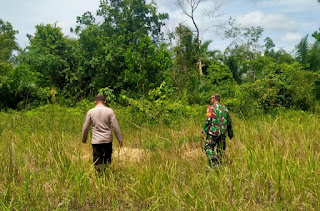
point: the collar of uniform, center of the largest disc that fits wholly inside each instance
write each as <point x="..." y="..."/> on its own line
<point x="97" y="106"/>
<point x="218" y="103"/>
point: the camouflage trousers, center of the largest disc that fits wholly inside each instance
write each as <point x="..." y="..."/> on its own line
<point x="212" y="142"/>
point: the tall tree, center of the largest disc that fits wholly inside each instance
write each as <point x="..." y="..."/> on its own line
<point x="185" y="68"/>
<point x="7" y="41"/>
<point x="313" y="56"/>
<point x="17" y="83"/>
<point x="248" y="37"/>
<point x="189" y="8"/>
<point x="302" y="50"/>
<point x="105" y="47"/>
<point x="7" y="46"/>
<point x="269" y="45"/>
<point x="131" y="19"/>
<point x="316" y="35"/>
<point x="235" y="59"/>
<point x="146" y="65"/>
<point x="47" y="55"/>
<point x="244" y="48"/>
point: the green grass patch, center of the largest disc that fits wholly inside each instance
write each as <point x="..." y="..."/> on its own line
<point x="271" y="164"/>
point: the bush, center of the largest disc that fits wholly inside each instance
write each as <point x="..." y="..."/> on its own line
<point x="159" y="107"/>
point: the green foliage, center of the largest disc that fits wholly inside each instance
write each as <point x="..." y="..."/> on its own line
<point x="18" y="87"/>
<point x="309" y="54"/>
<point x="269" y="45"/>
<point x="248" y="37"/>
<point x="185" y="75"/>
<point x="218" y="74"/>
<point x="122" y="51"/>
<point x="47" y="55"/>
<point x="316" y="85"/>
<point x="302" y="50"/>
<point x="7" y="41"/>
<point x="133" y="19"/>
<point x="158" y="107"/>
<point x="95" y="62"/>
<point x="145" y="65"/>
<point x="254" y="68"/>
<point x="5" y="70"/>
<point x="280" y="85"/>
<point x="108" y="93"/>
<point x="316" y="35"/>
<point x="314" y="56"/>
<point x="281" y="56"/>
<point x="185" y="63"/>
<point x="160" y="100"/>
<point x="235" y="58"/>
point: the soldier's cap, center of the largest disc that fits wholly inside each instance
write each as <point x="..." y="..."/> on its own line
<point x="215" y="96"/>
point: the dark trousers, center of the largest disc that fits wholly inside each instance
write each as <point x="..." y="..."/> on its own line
<point x="102" y="153"/>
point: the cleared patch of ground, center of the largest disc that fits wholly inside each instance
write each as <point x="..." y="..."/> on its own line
<point x="130" y="154"/>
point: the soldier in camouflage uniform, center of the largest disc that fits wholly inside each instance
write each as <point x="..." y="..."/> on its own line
<point x="215" y="128"/>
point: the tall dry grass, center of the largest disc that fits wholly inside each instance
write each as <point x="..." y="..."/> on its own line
<point x="271" y="164"/>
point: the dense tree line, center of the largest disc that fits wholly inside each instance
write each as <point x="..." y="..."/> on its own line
<point x="126" y="56"/>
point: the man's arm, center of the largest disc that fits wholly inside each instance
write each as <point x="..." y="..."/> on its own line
<point x="116" y="128"/>
<point x="85" y="128"/>
<point x="206" y="126"/>
<point x="207" y="123"/>
<point x="229" y="127"/>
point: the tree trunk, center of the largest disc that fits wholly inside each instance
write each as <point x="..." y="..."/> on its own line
<point x="199" y="58"/>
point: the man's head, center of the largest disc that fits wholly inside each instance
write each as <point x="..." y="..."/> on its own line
<point x="99" y="99"/>
<point x="214" y="99"/>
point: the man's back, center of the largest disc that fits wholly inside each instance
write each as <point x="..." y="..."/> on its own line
<point x="101" y="118"/>
<point x="218" y="121"/>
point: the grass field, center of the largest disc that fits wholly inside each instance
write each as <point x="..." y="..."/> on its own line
<point x="272" y="164"/>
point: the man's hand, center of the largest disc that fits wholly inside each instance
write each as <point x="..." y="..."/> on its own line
<point x="121" y="144"/>
<point x="202" y="136"/>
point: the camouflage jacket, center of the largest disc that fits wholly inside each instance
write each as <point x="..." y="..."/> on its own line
<point x="218" y="121"/>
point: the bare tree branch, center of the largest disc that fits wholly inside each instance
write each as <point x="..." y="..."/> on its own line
<point x="189" y="8"/>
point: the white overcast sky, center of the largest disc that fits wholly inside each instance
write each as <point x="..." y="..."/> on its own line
<point x="285" y="21"/>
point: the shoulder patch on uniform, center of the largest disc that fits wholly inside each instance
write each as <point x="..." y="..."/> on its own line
<point x="209" y="112"/>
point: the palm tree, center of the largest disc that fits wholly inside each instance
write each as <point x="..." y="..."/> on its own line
<point x="303" y="49"/>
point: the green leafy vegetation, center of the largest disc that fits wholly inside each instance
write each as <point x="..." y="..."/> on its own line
<point x="126" y="53"/>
